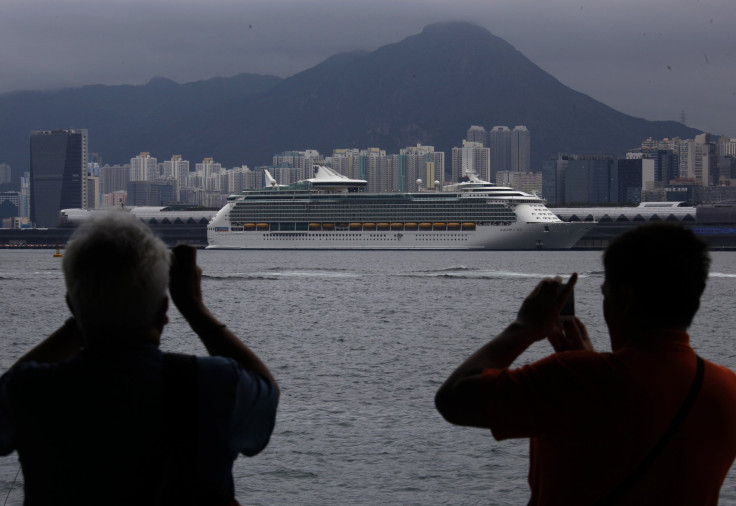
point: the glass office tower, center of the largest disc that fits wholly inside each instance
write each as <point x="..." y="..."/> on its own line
<point x="58" y="174"/>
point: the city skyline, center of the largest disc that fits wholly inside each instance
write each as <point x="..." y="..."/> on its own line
<point x="704" y="161"/>
<point x="699" y="169"/>
<point x="655" y="60"/>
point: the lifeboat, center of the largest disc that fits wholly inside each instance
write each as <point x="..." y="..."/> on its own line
<point x="453" y="226"/>
<point x="369" y="226"/>
<point x="355" y="226"/>
<point x="328" y="226"/>
<point x="249" y="226"/>
<point x="469" y="226"/>
<point x="397" y="226"/>
<point x="410" y="226"/>
<point x="262" y="226"/>
<point x="383" y="226"/>
<point x="439" y="225"/>
<point x="425" y="226"/>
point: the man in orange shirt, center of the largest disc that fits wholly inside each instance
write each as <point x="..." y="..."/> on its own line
<point x="643" y="424"/>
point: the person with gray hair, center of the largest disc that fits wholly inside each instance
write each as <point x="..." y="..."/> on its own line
<point x="99" y="415"/>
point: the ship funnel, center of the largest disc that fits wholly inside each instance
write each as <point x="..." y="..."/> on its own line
<point x="270" y="181"/>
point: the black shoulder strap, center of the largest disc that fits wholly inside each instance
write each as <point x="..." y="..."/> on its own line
<point x="663" y="440"/>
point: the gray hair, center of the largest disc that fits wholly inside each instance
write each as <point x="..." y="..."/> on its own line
<point x="116" y="272"/>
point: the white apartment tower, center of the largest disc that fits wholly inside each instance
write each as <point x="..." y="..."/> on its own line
<point x="176" y="169"/>
<point x="343" y="161"/>
<point x="422" y="162"/>
<point x="143" y="167"/>
<point x="210" y="175"/>
<point x="472" y="157"/>
<point x="699" y="160"/>
<point x="376" y="168"/>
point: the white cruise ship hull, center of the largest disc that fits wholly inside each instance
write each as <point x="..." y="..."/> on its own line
<point x="529" y="236"/>
<point x="331" y="211"/>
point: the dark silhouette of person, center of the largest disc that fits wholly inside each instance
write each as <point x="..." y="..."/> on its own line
<point x="642" y="424"/>
<point x="100" y="415"/>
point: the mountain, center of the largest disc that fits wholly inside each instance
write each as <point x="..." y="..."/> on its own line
<point x="428" y="88"/>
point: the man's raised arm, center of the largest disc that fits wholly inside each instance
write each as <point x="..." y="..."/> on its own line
<point x="186" y="292"/>
<point x="459" y="399"/>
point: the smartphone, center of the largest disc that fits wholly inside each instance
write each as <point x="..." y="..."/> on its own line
<point x="569" y="308"/>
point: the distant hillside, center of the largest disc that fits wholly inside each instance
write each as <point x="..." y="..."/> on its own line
<point x="122" y="120"/>
<point x="429" y="88"/>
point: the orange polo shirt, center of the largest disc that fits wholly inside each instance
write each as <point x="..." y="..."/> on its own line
<point x="592" y="417"/>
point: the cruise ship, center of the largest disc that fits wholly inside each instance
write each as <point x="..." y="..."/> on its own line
<point x="332" y="211"/>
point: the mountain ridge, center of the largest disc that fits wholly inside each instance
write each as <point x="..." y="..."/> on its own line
<point x="428" y="88"/>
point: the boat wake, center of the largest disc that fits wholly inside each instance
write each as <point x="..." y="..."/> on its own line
<point x="278" y="273"/>
<point x="721" y="275"/>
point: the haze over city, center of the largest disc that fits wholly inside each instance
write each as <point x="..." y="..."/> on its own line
<point x="654" y="59"/>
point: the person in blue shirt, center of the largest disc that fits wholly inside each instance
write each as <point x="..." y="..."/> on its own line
<point x="98" y="414"/>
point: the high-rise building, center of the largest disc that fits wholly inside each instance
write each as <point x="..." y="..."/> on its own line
<point x="303" y="161"/>
<point x="24" y="207"/>
<point x="149" y="193"/>
<point x="342" y="161"/>
<point x="499" y="142"/>
<point x="554" y="173"/>
<point x="472" y="157"/>
<point x="58" y="174"/>
<point x="421" y="163"/>
<point x="242" y="178"/>
<point x="114" y="178"/>
<point x="143" y="167"/>
<point x="93" y="192"/>
<point x="5" y="173"/>
<point x="626" y="180"/>
<point x="399" y="172"/>
<point x="9" y="205"/>
<point x="520" y="149"/>
<point x="529" y="182"/>
<point x="177" y="170"/>
<point x="727" y="147"/>
<point x="374" y="164"/>
<point x="588" y="179"/>
<point x="477" y="134"/>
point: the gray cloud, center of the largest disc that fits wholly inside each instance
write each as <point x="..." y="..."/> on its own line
<point x="651" y="59"/>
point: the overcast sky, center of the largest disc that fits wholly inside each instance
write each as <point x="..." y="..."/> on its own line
<point x="649" y="58"/>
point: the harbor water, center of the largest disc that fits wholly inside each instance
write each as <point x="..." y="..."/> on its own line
<point x="359" y="342"/>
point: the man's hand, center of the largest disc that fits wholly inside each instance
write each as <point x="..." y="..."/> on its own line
<point x="572" y="336"/>
<point x="540" y="311"/>
<point x="461" y="399"/>
<point x="185" y="280"/>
